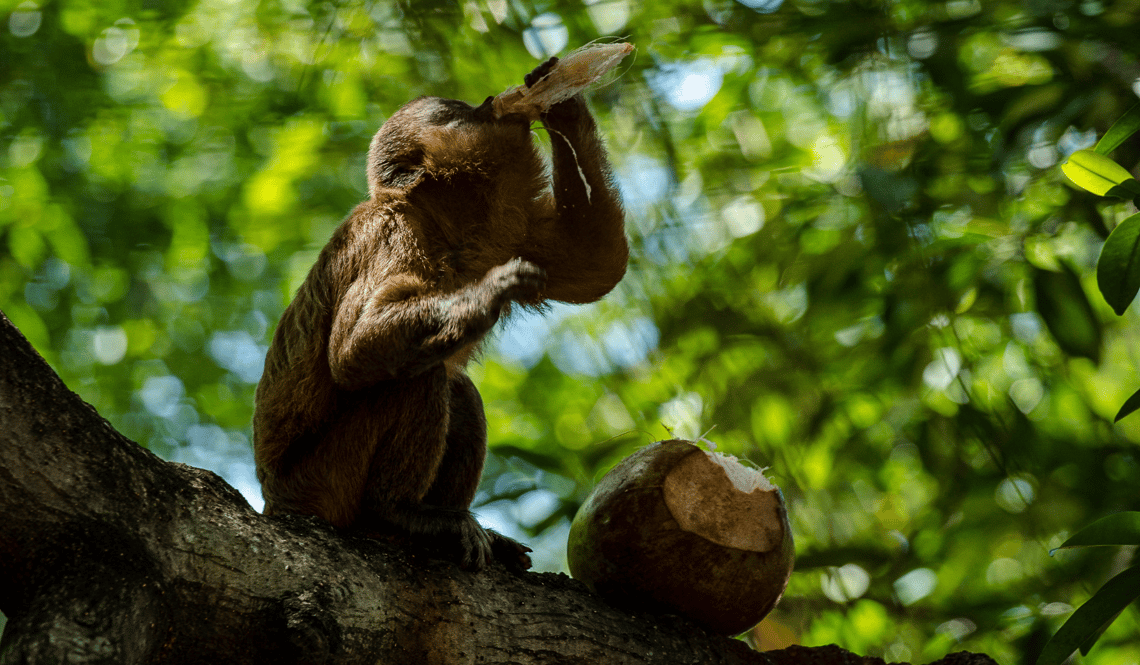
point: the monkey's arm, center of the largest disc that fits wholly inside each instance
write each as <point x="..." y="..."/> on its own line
<point x="582" y="246"/>
<point x="400" y="328"/>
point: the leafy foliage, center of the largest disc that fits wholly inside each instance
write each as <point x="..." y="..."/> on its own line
<point x="1121" y="131"/>
<point x="1089" y="621"/>
<point x="856" y="262"/>
<point x="1118" y="281"/>
<point x="1097" y="173"/>
<point x="1083" y="629"/>
<point x="1118" y="269"/>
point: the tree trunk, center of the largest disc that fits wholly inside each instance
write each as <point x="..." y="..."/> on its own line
<point x="111" y="555"/>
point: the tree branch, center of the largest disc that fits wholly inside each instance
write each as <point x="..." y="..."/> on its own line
<point x="112" y="555"/>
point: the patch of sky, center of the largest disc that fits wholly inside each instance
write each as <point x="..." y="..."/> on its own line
<point x="546" y="36"/>
<point x="643" y="182"/>
<point x="529" y="336"/>
<point x="687" y="86"/>
<point x="1074" y="139"/>
<point x="762" y="6"/>
<point x="161" y="395"/>
<point x="237" y="352"/>
<point x="226" y="453"/>
<point x="915" y="585"/>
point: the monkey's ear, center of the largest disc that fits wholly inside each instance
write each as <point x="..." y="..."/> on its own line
<point x="401" y="175"/>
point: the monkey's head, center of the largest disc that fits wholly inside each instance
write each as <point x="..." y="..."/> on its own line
<point x="432" y="137"/>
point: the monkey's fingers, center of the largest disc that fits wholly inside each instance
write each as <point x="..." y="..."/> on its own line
<point x="516" y="280"/>
<point x="510" y="552"/>
<point x="476" y="547"/>
<point x="540" y="72"/>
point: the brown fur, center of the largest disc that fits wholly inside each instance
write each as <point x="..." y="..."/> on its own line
<point x="364" y="414"/>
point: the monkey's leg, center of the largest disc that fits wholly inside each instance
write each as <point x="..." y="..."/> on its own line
<point x="458" y="476"/>
<point x="406" y="465"/>
<point x="459" y="472"/>
<point x="378" y="446"/>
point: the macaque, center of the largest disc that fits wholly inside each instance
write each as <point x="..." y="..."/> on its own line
<point x="364" y="414"/>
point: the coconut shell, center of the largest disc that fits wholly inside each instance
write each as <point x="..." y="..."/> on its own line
<point x="666" y="531"/>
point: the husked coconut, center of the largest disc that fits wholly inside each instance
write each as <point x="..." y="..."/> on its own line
<point x="675" y="529"/>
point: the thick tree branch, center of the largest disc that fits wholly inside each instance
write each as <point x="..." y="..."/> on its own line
<point x="111" y="555"/>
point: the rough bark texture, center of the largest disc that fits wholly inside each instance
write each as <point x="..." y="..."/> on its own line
<point x="111" y="555"/>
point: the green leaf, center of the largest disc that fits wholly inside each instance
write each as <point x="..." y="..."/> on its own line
<point x="1130" y="405"/>
<point x="1116" y="529"/>
<point x="1125" y="126"/>
<point x="1118" y="268"/>
<point x="1094" y="172"/>
<point x="1063" y="306"/>
<point x="1127" y="190"/>
<point x="1083" y="627"/>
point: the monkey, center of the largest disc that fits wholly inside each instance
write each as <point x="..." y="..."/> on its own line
<point x="364" y="414"/>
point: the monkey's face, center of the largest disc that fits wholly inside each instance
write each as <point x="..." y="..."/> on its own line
<point x="432" y="137"/>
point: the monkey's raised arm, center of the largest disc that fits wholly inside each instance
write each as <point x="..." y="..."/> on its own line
<point x="400" y="328"/>
<point x="582" y="246"/>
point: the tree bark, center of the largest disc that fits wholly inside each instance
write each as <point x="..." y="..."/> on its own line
<point x="112" y="555"/>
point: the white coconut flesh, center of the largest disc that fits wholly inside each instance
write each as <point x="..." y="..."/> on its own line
<point x="714" y="496"/>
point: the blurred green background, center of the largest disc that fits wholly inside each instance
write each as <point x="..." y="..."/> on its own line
<point x="855" y="262"/>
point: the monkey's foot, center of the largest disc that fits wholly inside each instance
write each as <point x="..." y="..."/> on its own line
<point x="447" y="533"/>
<point x="510" y="552"/>
<point x="478" y="547"/>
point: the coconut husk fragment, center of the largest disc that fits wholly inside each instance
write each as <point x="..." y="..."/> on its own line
<point x="569" y="76"/>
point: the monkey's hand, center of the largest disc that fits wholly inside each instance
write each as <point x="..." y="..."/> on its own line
<point x="515" y="281"/>
<point x="566" y="114"/>
<point x="475" y="309"/>
<point x="539" y="72"/>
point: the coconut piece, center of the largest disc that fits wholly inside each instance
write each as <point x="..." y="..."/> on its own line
<point x="722" y="506"/>
<point x="743" y="478"/>
<point x="569" y="76"/>
<point x="674" y="529"/>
